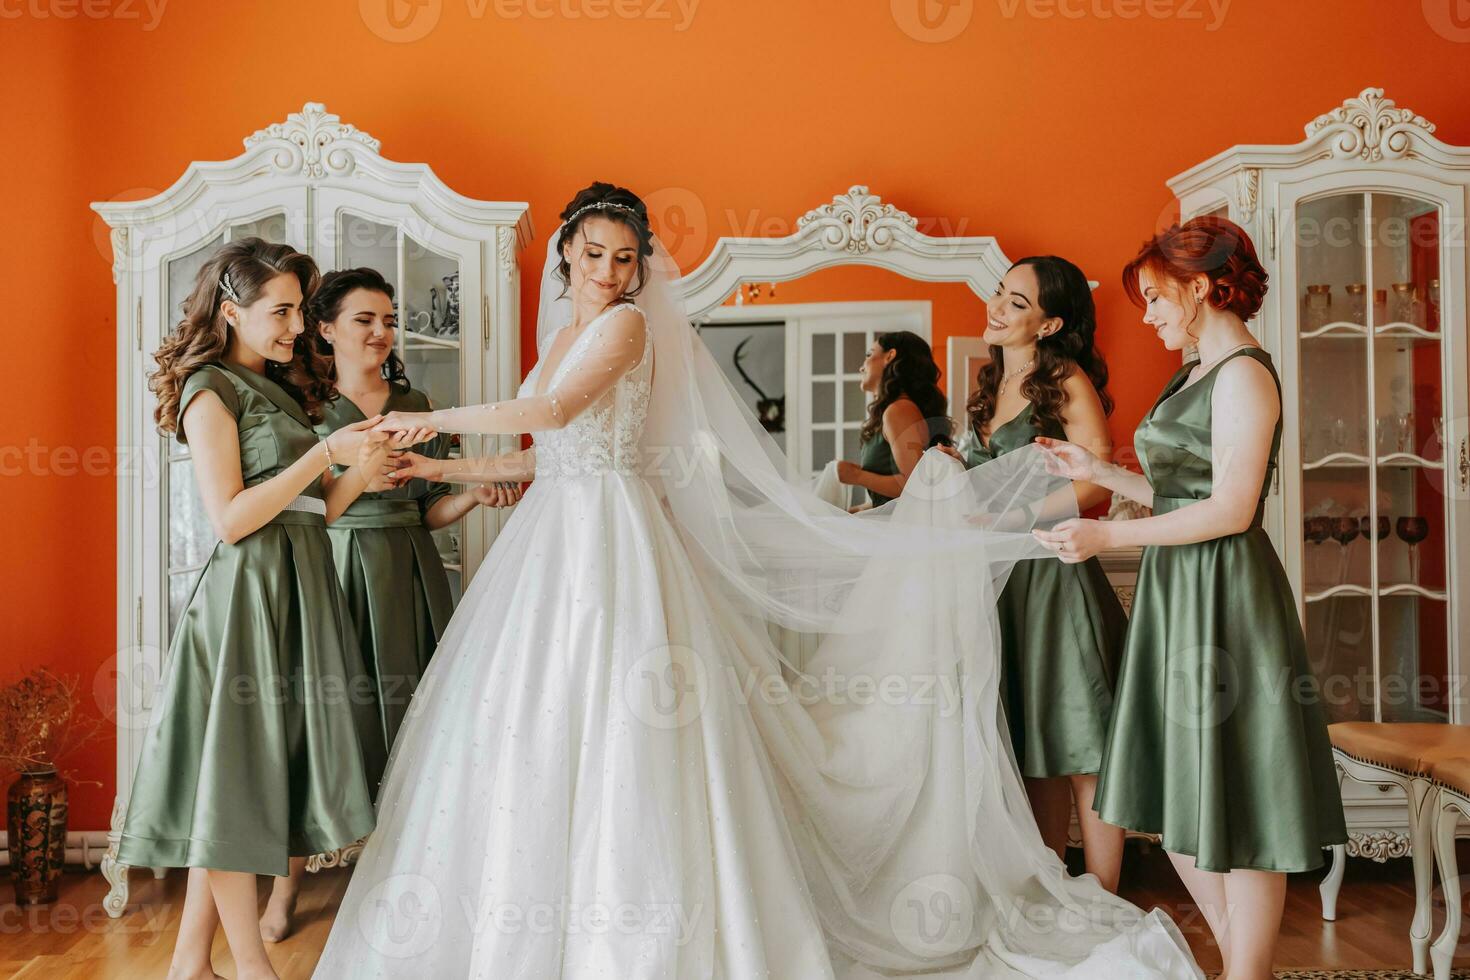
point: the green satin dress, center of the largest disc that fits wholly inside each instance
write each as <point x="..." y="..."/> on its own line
<point x="390" y="569"/>
<point x="876" y="456"/>
<point x="1062" y="632"/>
<point x="264" y="742"/>
<point x="1219" y="741"/>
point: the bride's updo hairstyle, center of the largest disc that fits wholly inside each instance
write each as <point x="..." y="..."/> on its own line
<point x="1216" y="247"/>
<point x="603" y="200"/>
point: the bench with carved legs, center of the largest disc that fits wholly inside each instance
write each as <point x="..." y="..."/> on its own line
<point x="1401" y="754"/>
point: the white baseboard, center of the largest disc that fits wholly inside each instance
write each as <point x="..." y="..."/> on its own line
<point x="84" y="848"/>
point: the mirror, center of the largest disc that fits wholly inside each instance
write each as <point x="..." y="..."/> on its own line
<point x="790" y="319"/>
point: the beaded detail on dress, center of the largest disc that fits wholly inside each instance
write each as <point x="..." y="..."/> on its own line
<point x="605" y="437"/>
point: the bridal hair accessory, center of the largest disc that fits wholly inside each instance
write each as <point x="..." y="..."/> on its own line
<point x="229" y="288"/>
<point x="599" y="206"/>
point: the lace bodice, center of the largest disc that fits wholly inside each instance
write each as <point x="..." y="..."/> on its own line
<point x="605" y="437"/>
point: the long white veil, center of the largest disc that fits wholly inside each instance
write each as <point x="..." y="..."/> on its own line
<point x="909" y="813"/>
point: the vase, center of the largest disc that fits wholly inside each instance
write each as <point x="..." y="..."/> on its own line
<point x="37" y="842"/>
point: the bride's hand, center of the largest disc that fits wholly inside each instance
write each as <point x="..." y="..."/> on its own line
<point x="1069" y="460"/>
<point x="411" y="465"/>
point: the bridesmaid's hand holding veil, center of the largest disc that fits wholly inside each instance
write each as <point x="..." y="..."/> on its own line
<point x="1076" y="540"/>
<point x="949" y="450"/>
<point x="1067" y="459"/>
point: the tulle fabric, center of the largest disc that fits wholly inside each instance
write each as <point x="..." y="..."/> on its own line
<point x="681" y="681"/>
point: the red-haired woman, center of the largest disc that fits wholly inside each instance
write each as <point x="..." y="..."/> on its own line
<point x="1218" y="740"/>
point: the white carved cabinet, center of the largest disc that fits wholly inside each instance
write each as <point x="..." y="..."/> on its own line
<point x="320" y="185"/>
<point x="1361" y="227"/>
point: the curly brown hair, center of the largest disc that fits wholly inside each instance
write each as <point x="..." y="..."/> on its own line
<point x="203" y="335"/>
<point x="1063" y="292"/>
<point x="912" y="374"/>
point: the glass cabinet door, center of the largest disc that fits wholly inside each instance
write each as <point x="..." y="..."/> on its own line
<point x="426" y="285"/>
<point x="189" y="535"/>
<point x="1374" y="508"/>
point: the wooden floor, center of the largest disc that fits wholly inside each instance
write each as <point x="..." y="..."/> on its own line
<point x="75" y="939"/>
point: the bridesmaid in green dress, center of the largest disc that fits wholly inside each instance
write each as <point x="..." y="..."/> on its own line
<point x="389" y="569"/>
<point x="1062" y="626"/>
<point x="1219" y="741"/>
<point x="906" y="415"/>
<point x="386" y="559"/>
<point x="261" y="746"/>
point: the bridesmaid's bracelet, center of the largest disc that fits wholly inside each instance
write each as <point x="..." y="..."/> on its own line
<point x="327" y="445"/>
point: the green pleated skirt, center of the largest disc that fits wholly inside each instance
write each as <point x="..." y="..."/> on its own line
<point x="264" y="741"/>
<point x="1062" y="632"/>
<point x="398" y="594"/>
<point x="1219" y="738"/>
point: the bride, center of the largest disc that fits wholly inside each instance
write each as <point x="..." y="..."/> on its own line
<point x="615" y="768"/>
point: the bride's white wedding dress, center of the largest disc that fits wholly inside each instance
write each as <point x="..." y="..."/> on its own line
<point x="603" y="776"/>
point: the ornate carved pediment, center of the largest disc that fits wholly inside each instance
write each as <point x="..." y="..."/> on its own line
<point x="1370" y="128"/>
<point x="856" y="222"/>
<point x="313" y="142"/>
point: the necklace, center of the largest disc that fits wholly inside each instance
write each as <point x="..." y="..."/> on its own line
<point x="1203" y="366"/>
<point x="1005" y="378"/>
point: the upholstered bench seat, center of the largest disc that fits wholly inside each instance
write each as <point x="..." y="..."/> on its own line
<point x="1410" y="748"/>
<point x="1418" y="759"/>
<point x="1453" y="773"/>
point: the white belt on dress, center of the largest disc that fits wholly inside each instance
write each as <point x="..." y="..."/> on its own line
<point x="311" y="505"/>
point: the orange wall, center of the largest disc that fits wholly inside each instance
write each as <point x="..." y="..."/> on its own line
<point x="1051" y="133"/>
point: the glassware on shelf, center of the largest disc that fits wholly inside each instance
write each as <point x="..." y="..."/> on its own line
<point x="1439" y="433"/>
<point x="1404" y="305"/>
<point x="1316" y="530"/>
<point x="1356" y="307"/>
<point x="1413" y="530"/>
<point x="1339" y="435"/>
<point x="1433" y="310"/>
<point x="444" y="308"/>
<point x="1382" y="529"/>
<point x="1403" y="429"/>
<point x="1344" y="530"/>
<point x="1383" y="427"/>
<point x="1317" y="308"/>
<point x="1380" y="307"/>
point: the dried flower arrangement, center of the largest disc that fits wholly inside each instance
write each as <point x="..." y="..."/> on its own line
<point x="41" y="723"/>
